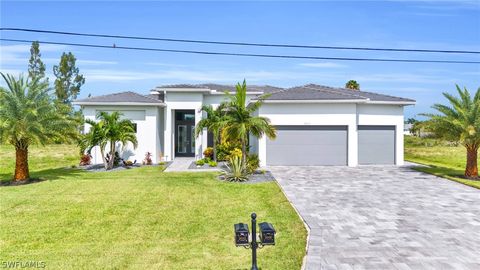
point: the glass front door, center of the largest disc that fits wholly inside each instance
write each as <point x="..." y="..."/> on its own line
<point x="185" y="133"/>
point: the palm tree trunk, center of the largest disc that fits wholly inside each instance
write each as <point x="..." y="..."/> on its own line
<point x="214" y="148"/>
<point x="244" y="152"/>
<point x="471" y="170"/>
<point x="21" y="164"/>
<point x="112" y="155"/>
<point x="102" y="152"/>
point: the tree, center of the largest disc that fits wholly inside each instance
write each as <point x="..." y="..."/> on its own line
<point x="460" y="121"/>
<point x="28" y="116"/>
<point x="213" y="122"/>
<point x="240" y="120"/>
<point x="36" y="68"/>
<point x="69" y="81"/>
<point x="352" y="84"/>
<point x="110" y="129"/>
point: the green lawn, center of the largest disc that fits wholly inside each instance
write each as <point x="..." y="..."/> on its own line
<point x="139" y="218"/>
<point x="445" y="160"/>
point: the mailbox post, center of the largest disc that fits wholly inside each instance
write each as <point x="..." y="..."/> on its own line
<point x="267" y="237"/>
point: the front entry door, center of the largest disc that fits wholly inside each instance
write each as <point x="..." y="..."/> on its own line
<point x="185" y="133"/>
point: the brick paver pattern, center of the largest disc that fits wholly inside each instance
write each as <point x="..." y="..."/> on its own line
<point x="373" y="217"/>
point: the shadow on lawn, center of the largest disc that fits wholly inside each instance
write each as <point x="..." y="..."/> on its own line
<point x="40" y="176"/>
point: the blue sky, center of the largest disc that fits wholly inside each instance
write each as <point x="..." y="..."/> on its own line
<point x="447" y="25"/>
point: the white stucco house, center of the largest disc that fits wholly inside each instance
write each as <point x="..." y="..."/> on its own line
<point x="316" y="125"/>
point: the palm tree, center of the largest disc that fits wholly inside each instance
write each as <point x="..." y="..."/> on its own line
<point x="240" y="120"/>
<point x="214" y="122"/>
<point x="460" y="121"/>
<point x="110" y="129"/>
<point x="352" y="84"/>
<point x="29" y="116"/>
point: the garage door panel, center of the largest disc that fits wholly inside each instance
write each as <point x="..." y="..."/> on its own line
<point x="308" y="145"/>
<point x="376" y="145"/>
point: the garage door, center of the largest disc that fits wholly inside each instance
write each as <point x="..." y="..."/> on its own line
<point x="308" y="145"/>
<point x="376" y="144"/>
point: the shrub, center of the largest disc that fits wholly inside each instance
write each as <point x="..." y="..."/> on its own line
<point x="208" y="153"/>
<point x="200" y="162"/>
<point x="236" y="153"/>
<point x="212" y="164"/>
<point x="207" y="160"/>
<point x="224" y="149"/>
<point x="148" y="159"/>
<point x="85" y="159"/>
<point x="253" y="163"/>
<point x="128" y="163"/>
<point x="236" y="170"/>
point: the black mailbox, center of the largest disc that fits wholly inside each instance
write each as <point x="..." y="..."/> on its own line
<point x="267" y="233"/>
<point x="241" y="234"/>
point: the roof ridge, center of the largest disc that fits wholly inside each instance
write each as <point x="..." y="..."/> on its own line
<point x="332" y="91"/>
<point x="373" y="93"/>
<point x="111" y="94"/>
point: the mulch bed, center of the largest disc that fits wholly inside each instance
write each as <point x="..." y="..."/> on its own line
<point x="256" y="177"/>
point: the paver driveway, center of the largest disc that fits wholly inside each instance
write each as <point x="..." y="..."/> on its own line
<point x="384" y="218"/>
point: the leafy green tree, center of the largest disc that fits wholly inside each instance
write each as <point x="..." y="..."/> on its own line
<point x="36" y="68"/>
<point x="110" y="129"/>
<point x="213" y="122"/>
<point x="69" y="80"/>
<point x="352" y="84"/>
<point x="241" y="121"/>
<point x="28" y="116"/>
<point x="459" y="121"/>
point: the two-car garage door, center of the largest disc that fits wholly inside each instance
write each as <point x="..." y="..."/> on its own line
<point x="327" y="145"/>
<point x="308" y="145"/>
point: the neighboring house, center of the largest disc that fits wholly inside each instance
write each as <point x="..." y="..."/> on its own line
<point x="316" y="125"/>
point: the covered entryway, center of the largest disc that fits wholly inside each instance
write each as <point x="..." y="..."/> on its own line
<point x="185" y="133"/>
<point x="308" y="145"/>
<point x="376" y="145"/>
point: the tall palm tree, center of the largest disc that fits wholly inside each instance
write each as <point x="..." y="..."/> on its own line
<point x="213" y="122"/>
<point x="352" y="84"/>
<point x="29" y="116"/>
<point x="241" y="121"/>
<point x="460" y="121"/>
<point x="110" y="129"/>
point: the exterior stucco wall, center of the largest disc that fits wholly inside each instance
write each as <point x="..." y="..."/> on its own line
<point x="180" y="101"/>
<point x="148" y="136"/>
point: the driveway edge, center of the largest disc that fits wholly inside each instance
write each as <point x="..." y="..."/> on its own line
<point x="304" y="260"/>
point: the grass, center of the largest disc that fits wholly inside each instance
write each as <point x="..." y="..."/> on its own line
<point x="140" y="218"/>
<point x="444" y="160"/>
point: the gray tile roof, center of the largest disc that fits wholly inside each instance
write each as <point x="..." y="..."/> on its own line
<point x="320" y="92"/>
<point x="224" y="87"/>
<point x="130" y="97"/>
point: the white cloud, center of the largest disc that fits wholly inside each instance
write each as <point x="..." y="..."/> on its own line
<point x="323" y="65"/>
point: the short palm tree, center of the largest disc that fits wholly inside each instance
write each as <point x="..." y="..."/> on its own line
<point x="460" y="121"/>
<point x="241" y="121"/>
<point x="213" y="122"/>
<point x="352" y="84"/>
<point x="29" y="116"/>
<point x="110" y="129"/>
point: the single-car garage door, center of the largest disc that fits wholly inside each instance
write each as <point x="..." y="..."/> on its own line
<point x="308" y="145"/>
<point x="376" y="145"/>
